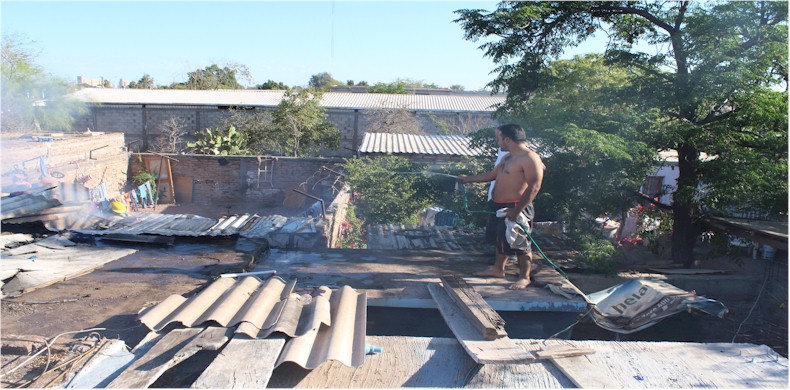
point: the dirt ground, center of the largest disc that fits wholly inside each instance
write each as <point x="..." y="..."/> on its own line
<point x="110" y="297"/>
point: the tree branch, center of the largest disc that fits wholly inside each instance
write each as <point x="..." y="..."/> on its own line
<point x="712" y="117"/>
<point x="635" y="11"/>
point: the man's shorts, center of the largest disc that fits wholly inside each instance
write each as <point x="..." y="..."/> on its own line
<point x="502" y="247"/>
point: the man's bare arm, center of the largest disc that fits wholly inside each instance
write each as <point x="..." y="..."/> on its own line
<point x="481" y="178"/>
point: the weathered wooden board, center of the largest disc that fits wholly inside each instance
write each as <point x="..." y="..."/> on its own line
<point x="561" y="352"/>
<point x="42" y="266"/>
<point x="419" y="362"/>
<point x="173" y="348"/>
<point x="243" y="364"/>
<point x="674" y="365"/>
<point x="499" y="351"/>
<point x="584" y="374"/>
<point x="485" y="319"/>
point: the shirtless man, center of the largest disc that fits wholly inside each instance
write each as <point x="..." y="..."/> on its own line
<point x="518" y="179"/>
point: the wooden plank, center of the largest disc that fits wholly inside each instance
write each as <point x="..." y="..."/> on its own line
<point x="556" y="353"/>
<point x="479" y="313"/>
<point x="673" y="365"/>
<point x="420" y="362"/>
<point x="243" y="364"/>
<point x="502" y="350"/>
<point x="175" y="347"/>
<point x="584" y="374"/>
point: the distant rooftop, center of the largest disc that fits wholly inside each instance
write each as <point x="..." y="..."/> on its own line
<point x="271" y="98"/>
<point x="454" y="145"/>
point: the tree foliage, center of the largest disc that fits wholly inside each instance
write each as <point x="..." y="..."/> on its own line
<point x="322" y="81"/>
<point x="697" y="91"/>
<point x="256" y="126"/>
<point x="389" y="118"/>
<point x="400" y="86"/>
<point x="214" y="77"/>
<point x="145" y="82"/>
<point x="393" y="189"/>
<point x="300" y="123"/>
<point x="271" y="84"/>
<point x="31" y="99"/>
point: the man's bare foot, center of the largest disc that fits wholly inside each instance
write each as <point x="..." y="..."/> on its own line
<point x="520" y="284"/>
<point x="491" y="272"/>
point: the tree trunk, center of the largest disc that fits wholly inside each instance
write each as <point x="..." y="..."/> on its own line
<point x="685" y="229"/>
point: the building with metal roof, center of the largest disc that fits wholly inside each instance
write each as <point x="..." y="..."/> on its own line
<point x="143" y="114"/>
<point x="271" y="98"/>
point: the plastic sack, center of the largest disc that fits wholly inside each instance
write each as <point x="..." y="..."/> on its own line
<point x="640" y="303"/>
<point x="515" y="235"/>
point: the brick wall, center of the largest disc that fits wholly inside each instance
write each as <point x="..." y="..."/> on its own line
<point x="143" y="124"/>
<point x="91" y="159"/>
<point x="234" y="179"/>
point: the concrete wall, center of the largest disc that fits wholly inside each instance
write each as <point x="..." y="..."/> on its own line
<point x="86" y="159"/>
<point x="219" y="180"/>
<point x="143" y="124"/>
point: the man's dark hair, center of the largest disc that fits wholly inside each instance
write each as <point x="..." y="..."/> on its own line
<point x="514" y="132"/>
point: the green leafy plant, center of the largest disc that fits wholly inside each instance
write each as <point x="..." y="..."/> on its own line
<point x="215" y="142"/>
<point x="595" y="253"/>
<point x="385" y="196"/>
<point x="146" y="177"/>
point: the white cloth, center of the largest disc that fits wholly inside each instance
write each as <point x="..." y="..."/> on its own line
<point x="515" y="235"/>
<point x="499" y="155"/>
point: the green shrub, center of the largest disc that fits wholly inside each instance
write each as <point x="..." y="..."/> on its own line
<point x="353" y="234"/>
<point x="596" y="253"/>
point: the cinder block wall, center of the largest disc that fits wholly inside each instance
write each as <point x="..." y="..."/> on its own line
<point x="143" y="125"/>
<point x="226" y="179"/>
<point x="91" y="159"/>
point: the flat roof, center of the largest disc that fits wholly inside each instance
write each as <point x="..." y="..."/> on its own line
<point x="271" y="98"/>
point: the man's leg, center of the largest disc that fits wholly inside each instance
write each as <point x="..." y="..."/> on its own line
<point x="524" y="268"/>
<point x="498" y="269"/>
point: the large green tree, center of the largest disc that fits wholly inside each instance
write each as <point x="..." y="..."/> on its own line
<point x="32" y="99"/>
<point x="588" y="136"/>
<point x="271" y="84"/>
<point x="214" y="77"/>
<point x="322" y="81"/>
<point x="145" y="82"/>
<point x="707" y="85"/>
<point x="300" y="123"/>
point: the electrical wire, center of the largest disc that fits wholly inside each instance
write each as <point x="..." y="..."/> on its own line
<point x="49" y="344"/>
<point x="738" y="331"/>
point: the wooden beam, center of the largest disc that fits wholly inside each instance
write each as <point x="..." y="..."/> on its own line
<point x="175" y="347"/>
<point x="499" y="351"/>
<point x="243" y="364"/>
<point x="480" y="314"/>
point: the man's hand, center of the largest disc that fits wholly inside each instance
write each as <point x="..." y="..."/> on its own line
<point x="512" y="214"/>
<point x="462" y="179"/>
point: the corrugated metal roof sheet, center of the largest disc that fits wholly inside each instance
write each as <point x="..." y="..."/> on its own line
<point x="246" y="225"/>
<point x="453" y="145"/>
<point x="426" y="237"/>
<point x="324" y="325"/>
<point x="268" y="98"/>
<point x="25" y="204"/>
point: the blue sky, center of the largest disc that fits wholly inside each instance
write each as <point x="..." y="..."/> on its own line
<point x="374" y="41"/>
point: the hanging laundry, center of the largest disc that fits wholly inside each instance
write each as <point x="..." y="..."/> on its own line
<point x="151" y="191"/>
<point x="143" y="194"/>
<point x="135" y="198"/>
